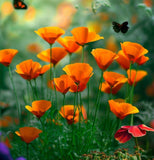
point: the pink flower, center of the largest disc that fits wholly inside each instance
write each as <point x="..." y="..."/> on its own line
<point x="125" y="133"/>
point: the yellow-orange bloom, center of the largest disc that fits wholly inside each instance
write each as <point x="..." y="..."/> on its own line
<point x="134" y="77"/>
<point x="28" y="134"/>
<point x="83" y="36"/>
<point x="122" y="109"/>
<point x="39" y="107"/>
<point x="69" y="44"/>
<point x="6" y="56"/>
<point x="50" y="34"/>
<point x="67" y="112"/>
<point x="141" y="60"/>
<point x="103" y="57"/>
<point x="123" y="60"/>
<point x="113" y="82"/>
<point x="44" y="69"/>
<point x="79" y="72"/>
<point x="63" y="83"/>
<point x="133" y="50"/>
<point x="57" y="54"/>
<point x="28" y="69"/>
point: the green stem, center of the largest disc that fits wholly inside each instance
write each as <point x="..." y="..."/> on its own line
<point x="82" y="54"/>
<point x="27" y="149"/>
<point x="136" y="143"/>
<point x="64" y="103"/>
<point x="15" y="92"/>
<point x="97" y="100"/>
<point x="132" y="95"/>
<point x="32" y="89"/>
<point x="70" y="58"/>
<point x="36" y="89"/>
<point x="42" y="87"/>
<point x="55" y="100"/>
<point x="88" y="98"/>
<point x="50" y="69"/>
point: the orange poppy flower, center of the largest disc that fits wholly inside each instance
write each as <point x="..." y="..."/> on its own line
<point x="123" y="60"/>
<point x="63" y="83"/>
<point x="67" y="112"/>
<point x="69" y="44"/>
<point x="34" y="48"/>
<point x="133" y="76"/>
<point x="28" y="69"/>
<point x="79" y="72"/>
<point x="133" y="50"/>
<point x="28" y="134"/>
<point x="39" y="107"/>
<point x="6" y="56"/>
<point x="122" y="109"/>
<point x="82" y="36"/>
<point x="57" y="54"/>
<point x="50" y="34"/>
<point x="141" y="60"/>
<point x="113" y="82"/>
<point x="44" y="69"/>
<point x="103" y="57"/>
<point x="78" y="88"/>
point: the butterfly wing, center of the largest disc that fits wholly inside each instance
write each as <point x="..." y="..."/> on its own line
<point x="124" y="27"/>
<point x="19" y="4"/>
<point x="116" y="26"/>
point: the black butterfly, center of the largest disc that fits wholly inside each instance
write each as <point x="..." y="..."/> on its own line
<point x="120" y="27"/>
<point x="19" y="4"/>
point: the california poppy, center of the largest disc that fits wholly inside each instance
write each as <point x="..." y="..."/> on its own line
<point x="6" y="56"/>
<point x="122" y="109"/>
<point x="39" y="107"/>
<point x="123" y="60"/>
<point x="125" y="133"/>
<point x="57" y="54"/>
<point x="135" y="76"/>
<point x="28" y="134"/>
<point x="44" y="69"/>
<point x="79" y="72"/>
<point x="67" y="112"/>
<point x="63" y="83"/>
<point x="78" y="87"/>
<point x="141" y="60"/>
<point x="50" y="34"/>
<point x="28" y="69"/>
<point x="103" y="57"/>
<point x="133" y="50"/>
<point x="113" y="82"/>
<point x="82" y="35"/>
<point x="69" y="44"/>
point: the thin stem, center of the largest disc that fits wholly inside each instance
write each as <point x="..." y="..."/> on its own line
<point x="50" y="68"/>
<point x="32" y="89"/>
<point x="36" y="89"/>
<point x="15" y="92"/>
<point x="70" y="58"/>
<point x="136" y="143"/>
<point x="27" y="149"/>
<point x="54" y="73"/>
<point x="42" y="87"/>
<point x="132" y="95"/>
<point x="88" y="98"/>
<point x="97" y="100"/>
<point x="82" y="60"/>
<point x="64" y="103"/>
